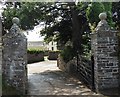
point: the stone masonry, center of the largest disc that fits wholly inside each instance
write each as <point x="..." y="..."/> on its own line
<point x="104" y="48"/>
<point x="15" y="57"/>
<point x="0" y="57"/>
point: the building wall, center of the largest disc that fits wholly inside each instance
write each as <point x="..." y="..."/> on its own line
<point x="52" y="46"/>
<point x="36" y="45"/>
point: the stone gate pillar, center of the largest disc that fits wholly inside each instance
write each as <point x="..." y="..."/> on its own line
<point x="15" y="57"/>
<point x="104" y="49"/>
<point x="0" y="57"/>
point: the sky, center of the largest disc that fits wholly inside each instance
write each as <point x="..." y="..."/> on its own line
<point x="1" y="9"/>
<point x="34" y="35"/>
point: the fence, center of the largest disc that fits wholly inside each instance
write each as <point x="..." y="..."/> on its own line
<point x="85" y="71"/>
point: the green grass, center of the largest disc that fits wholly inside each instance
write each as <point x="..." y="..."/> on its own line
<point x="37" y="48"/>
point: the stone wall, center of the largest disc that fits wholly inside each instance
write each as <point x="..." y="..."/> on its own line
<point x="53" y="55"/>
<point x="32" y="58"/>
<point x="69" y="67"/>
<point x="104" y="49"/>
<point x="82" y="70"/>
<point x="15" y="58"/>
<point x="60" y="63"/>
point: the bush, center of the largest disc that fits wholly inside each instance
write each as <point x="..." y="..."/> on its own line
<point x="67" y="54"/>
<point x="34" y="51"/>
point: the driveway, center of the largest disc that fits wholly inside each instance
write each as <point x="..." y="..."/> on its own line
<point x="46" y="79"/>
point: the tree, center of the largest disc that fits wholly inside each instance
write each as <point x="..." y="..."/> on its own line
<point x="67" y="19"/>
<point x="72" y="26"/>
<point x="95" y="9"/>
<point x="30" y="14"/>
<point x="116" y="14"/>
<point x="108" y="10"/>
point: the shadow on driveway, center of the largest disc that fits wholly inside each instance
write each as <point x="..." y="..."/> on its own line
<point x="56" y="83"/>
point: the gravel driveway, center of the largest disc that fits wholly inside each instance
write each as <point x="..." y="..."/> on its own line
<point x="46" y="79"/>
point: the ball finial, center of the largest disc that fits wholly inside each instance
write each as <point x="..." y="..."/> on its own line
<point x="103" y="16"/>
<point x="15" y="20"/>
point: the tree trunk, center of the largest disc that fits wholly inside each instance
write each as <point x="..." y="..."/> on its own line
<point x="77" y="35"/>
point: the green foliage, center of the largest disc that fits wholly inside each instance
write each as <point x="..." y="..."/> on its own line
<point x="54" y="51"/>
<point x="95" y="9"/>
<point x="93" y="12"/>
<point x="32" y="13"/>
<point x="108" y="10"/>
<point x="34" y="51"/>
<point x="62" y="25"/>
<point x="29" y="13"/>
<point x="67" y="54"/>
<point x="116" y="14"/>
<point x="42" y="48"/>
<point x="57" y="17"/>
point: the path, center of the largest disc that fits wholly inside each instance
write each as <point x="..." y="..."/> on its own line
<point x="46" y="79"/>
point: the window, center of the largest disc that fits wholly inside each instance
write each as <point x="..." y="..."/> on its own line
<point x="52" y="48"/>
<point x="52" y="43"/>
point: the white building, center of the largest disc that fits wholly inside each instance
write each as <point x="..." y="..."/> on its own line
<point x="37" y="41"/>
<point x="36" y="44"/>
<point x="52" y="46"/>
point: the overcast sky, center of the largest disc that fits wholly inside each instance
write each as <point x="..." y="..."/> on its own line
<point x="34" y="35"/>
